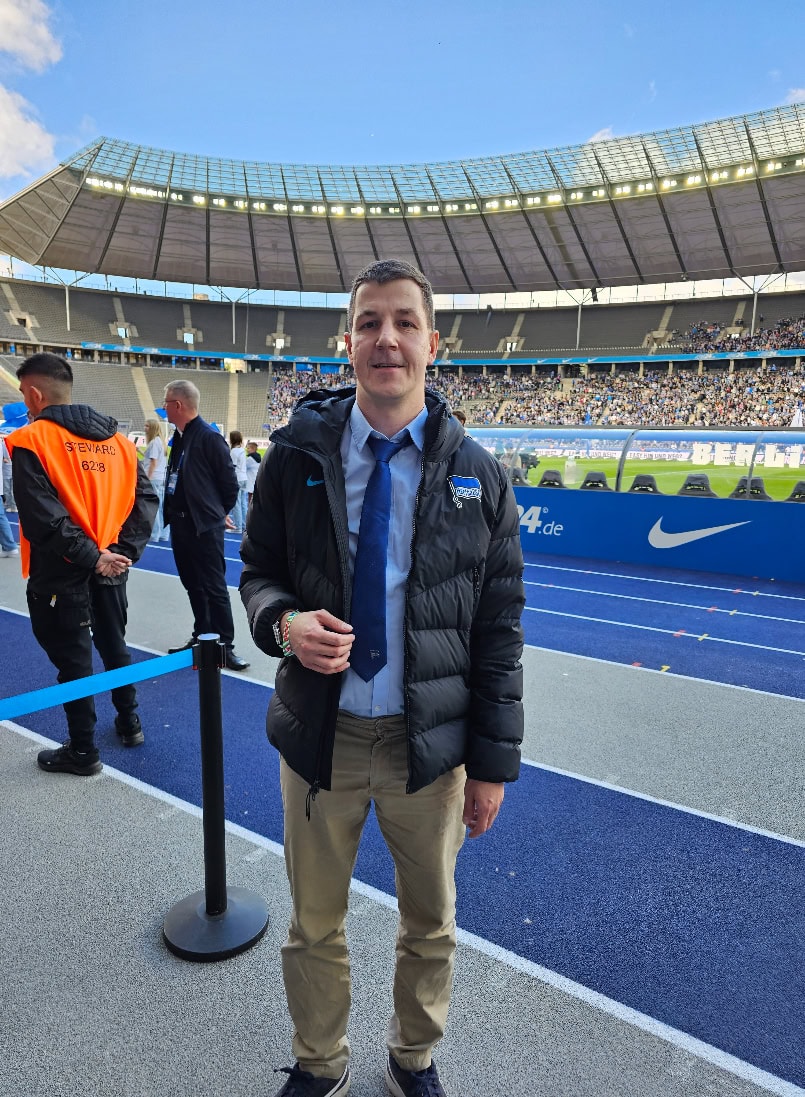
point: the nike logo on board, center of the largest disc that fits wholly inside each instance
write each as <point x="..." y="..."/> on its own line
<point x="659" y="539"/>
<point x="311" y="483"/>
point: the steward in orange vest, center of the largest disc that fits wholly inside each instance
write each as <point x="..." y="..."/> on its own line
<point x="86" y="510"/>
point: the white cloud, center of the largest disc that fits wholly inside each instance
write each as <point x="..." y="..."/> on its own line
<point x="605" y="134"/>
<point x="26" y="147"/>
<point x="652" y="91"/>
<point x="25" y="144"/>
<point x="795" y="95"/>
<point x="25" y="33"/>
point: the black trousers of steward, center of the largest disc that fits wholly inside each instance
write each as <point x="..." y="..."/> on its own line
<point x="66" y="626"/>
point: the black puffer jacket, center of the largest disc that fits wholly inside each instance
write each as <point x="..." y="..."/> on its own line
<point x="62" y="555"/>
<point x="464" y="598"/>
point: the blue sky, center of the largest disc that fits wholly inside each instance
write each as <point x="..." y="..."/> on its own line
<point x="378" y="83"/>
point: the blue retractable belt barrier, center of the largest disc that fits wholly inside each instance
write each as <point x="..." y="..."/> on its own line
<point x="219" y="921"/>
<point x="96" y="683"/>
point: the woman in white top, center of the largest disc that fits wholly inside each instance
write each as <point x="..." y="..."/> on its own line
<point x="155" y="463"/>
<point x="238" y="454"/>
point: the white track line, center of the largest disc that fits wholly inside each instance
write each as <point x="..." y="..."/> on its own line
<point x="665" y="602"/>
<point x="674" y="582"/>
<point x="681" y="634"/>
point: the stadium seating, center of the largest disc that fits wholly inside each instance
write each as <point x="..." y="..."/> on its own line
<point x="644" y="483"/>
<point x="747" y="488"/>
<point x="595" y="481"/>
<point x="551" y="478"/>
<point x="697" y="484"/>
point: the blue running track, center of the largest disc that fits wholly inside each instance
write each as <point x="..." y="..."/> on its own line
<point x="689" y="920"/>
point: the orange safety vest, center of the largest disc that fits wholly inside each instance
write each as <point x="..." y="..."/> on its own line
<point x="95" y="481"/>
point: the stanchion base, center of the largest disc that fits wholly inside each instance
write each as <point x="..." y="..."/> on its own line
<point x="190" y="932"/>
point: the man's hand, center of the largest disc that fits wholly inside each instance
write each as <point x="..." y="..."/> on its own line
<point x="482" y="801"/>
<point x="320" y="641"/>
<point x="111" y="563"/>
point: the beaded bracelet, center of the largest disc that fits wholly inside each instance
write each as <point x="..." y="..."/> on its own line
<point x="287" y="650"/>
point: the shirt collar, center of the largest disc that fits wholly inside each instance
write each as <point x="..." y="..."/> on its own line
<point x="361" y="429"/>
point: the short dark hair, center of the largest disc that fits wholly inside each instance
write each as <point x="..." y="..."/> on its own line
<point x="49" y="365"/>
<point x="459" y="414"/>
<point x="392" y="270"/>
<point x="235" y="438"/>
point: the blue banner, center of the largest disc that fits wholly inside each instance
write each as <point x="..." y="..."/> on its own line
<point x="733" y="536"/>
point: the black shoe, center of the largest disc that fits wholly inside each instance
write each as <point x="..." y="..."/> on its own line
<point x="182" y="647"/>
<point x="130" y="730"/>
<point x="66" y="760"/>
<point x="412" y="1083"/>
<point x="302" y="1084"/>
<point x="234" y="662"/>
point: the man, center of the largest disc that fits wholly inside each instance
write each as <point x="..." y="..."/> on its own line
<point x="253" y="460"/>
<point x="408" y="694"/>
<point x="513" y="463"/>
<point x="200" y="490"/>
<point x="86" y="509"/>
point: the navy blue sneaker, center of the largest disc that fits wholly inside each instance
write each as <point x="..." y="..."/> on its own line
<point x="303" y="1084"/>
<point x="412" y="1083"/>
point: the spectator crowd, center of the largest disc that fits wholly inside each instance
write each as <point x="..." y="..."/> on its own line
<point x="748" y="397"/>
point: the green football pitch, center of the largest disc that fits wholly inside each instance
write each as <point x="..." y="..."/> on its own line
<point x="670" y="475"/>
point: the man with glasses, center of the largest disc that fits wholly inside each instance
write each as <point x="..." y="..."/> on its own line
<point x="200" y="490"/>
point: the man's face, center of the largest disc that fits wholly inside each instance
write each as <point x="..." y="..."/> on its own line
<point x="173" y="409"/>
<point x="391" y="346"/>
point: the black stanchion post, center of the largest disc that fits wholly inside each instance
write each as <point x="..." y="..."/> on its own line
<point x="217" y="922"/>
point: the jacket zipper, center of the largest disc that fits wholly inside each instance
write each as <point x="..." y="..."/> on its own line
<point x="405" y="623"/>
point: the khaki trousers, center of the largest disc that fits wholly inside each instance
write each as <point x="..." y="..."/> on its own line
<point x="424" y="832"/>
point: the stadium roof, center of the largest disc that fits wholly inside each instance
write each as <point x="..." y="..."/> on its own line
<point x="721" y="199"/>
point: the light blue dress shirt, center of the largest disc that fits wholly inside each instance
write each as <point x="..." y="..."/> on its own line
<point x="383" y="695"/>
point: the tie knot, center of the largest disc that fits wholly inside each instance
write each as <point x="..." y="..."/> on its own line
<point x="384" y="450"/>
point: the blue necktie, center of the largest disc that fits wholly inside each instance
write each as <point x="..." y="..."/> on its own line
<point x="368" y="654"/>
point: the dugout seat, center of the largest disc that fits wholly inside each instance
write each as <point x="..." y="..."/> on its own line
<point x="551" y="478"/>
<point x="645" y="483"/>
<point x="595" y="481"/>
<point x="698" y="484"/>
<point x="750" y="489"/>
<point x="798" y="494"/>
